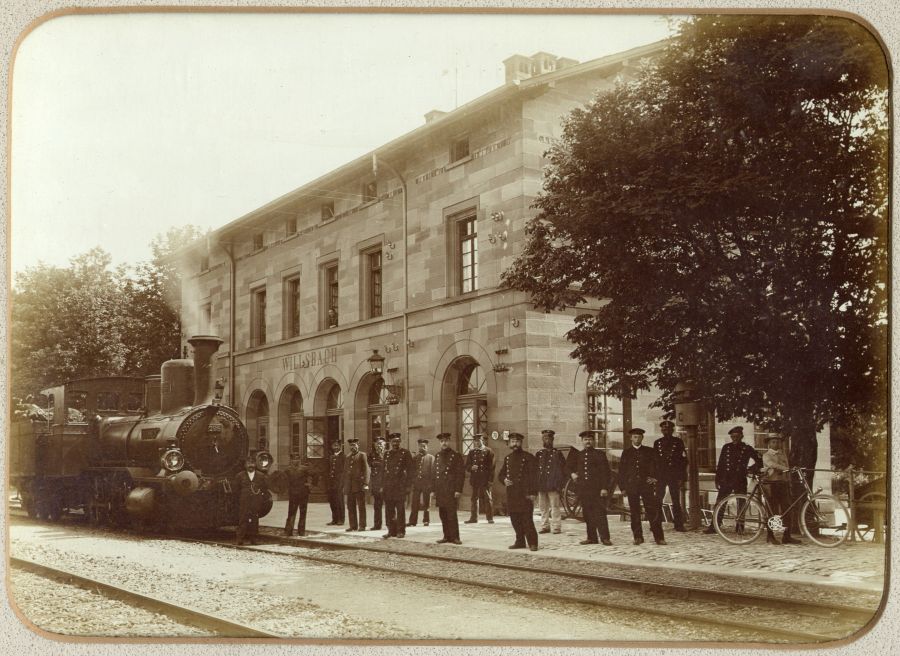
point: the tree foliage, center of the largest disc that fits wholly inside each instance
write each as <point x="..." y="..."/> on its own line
<point x="729" y="206"/>
<point x="92" y="319"/>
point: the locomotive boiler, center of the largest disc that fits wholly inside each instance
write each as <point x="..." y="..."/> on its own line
<point x="167" y="464"/>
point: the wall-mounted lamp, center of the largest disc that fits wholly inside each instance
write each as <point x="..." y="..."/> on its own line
<point x="376" y="366"/>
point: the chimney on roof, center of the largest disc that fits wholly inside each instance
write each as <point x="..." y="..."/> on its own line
<point x="433" y="115"/>
<point x="519" y="67"/>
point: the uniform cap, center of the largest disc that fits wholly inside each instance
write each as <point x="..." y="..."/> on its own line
<point x="516" y="436"/>
<point x="587" y="433"/>
<point x="442" y="436"/>
<point x="772" y="437"/>
<point x="736" y="429"/>
<point x="636" y="431"/>
<point x="379" y="439"/>
<point x="549" y="432"/>
<point x="667" y="422"/>
<point x="422" y="440"/>
<point x="394" y="436"/>
<point x="353" y="440"/>
<point x="480" y="436"/>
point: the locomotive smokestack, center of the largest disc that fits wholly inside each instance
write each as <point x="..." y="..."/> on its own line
<point x="152" y="385"/>
<point x="205" y="347"/>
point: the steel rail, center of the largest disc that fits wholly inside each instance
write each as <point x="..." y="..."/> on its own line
<point x="768" y="630"/>
<point x="220" y="626"/>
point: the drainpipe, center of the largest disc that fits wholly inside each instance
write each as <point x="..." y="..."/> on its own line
<point x="232" y="291"/>
<point x="405" y="210"/>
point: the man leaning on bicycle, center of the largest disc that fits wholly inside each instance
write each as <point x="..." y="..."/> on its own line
<point x="731" y="470"/>
<point x="778" y="488"/>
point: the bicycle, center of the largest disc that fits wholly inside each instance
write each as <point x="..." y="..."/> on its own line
<point x="741" y="518"/>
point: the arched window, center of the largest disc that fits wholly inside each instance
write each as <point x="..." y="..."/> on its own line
<point x="295" y="420"/>
<point x="378" y="412"/>
<point x="471" y="402"/>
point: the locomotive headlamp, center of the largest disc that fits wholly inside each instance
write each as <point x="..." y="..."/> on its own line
<point x="264" y="460"/>
<point x="172" y="460"/>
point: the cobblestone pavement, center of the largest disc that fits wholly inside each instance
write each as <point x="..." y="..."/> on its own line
<point x="854" y="565"/>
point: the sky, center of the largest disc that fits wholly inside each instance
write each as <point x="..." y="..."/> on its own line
<point x="125" y="125"/>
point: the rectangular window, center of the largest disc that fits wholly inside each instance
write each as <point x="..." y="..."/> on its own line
<point x="107" y="401"/>
<point x="373" y="283"/>
<point x="292" y="307"/>
<point x="258" y="241"/>
<point x="258" y="318"/>
<point x="459" y="149"/>
<point x="328" y="210"/>
<point x="369" y="191"/>
<point x="467" y="254"/>
<point x="290" y="226"/>
<point x="331" y="295"/>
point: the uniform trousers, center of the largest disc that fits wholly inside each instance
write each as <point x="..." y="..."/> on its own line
<point x="732" y="487"/>
<point x="673" y="485"/>
<point x="336" y="501"/>
<point x="356" y="510"/>
<point x="523" y="525"/>
<point x="647" y="494"/>
<point x="449" y="521"/>
<point x="420" y="499"/>
<point x="395" y="516"/>
<point x="297" y="504"/>
<point x="482" y="493"/>
<point x="551" y="515"/>
<point x="378" y="504"/>
<point x="594" y="509"/>
<point x="248" y="521"/>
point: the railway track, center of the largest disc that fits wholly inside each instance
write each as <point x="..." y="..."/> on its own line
<point x="755" y="617"/>
<point x="220" y="626"/>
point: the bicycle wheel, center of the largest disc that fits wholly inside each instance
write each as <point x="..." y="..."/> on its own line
<point x="571" y="503"/>
<point x="824" y="520"/>
<point x="739" y="519"/>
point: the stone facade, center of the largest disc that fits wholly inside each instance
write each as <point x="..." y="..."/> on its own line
<point x="305" y="383"/>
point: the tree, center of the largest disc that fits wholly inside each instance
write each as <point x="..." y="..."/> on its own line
<point x="727" y="209"/>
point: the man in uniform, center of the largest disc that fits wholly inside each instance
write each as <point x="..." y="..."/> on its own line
<point x="672" y="462"/>
<point x="423" y="463"/>
<point x="480" y="465"/>
<point x="638" y="479"/>
<point x="398" y="476"/>
<point x="519" y="475"/>
<point x="376" y="482"/>
<point x="334" y="482"/>
<point x="252" y="488"/>
<point x="551" y="477"/>
<point x="448" y="475"/>
<point x="356" y="482"/>
<point x="731" y="470"/>
<point x="590" y="470"/>
<point x="299" y="477"/>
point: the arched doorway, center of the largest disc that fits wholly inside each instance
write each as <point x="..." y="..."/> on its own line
<point x="290" y="426"/>
<point x="327" y="425"/>
<point x="465" y="401"/>
<point x="257" y="415"/>
<point x="372" y="412"/>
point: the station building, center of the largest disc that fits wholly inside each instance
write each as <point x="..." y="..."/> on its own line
<point x="398" y="255"/>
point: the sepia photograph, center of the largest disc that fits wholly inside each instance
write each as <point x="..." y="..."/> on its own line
<point x="449" y="327"/>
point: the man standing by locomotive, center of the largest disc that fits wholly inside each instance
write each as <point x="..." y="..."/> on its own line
<point x="356" y="482"/>
<point x="334" y="482"/>
<point x="672" y="462"/>
<point x="299" y="478"/>
<point x="398" y="476"/>
<point x="551" y="477"/>
<point x="519" y="475"/>
<point x="423" y="463"/>
<point x="590" y="470"/>
<point x="376" y="482"/>
<point x="638" y="478"/>
<point x="448" y="476"/>
<point x="480" y="465"/>
<point x="252" y="488"/>
<point x="731" y="470"/>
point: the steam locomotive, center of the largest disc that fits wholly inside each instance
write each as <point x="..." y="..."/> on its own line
<point x="157" y="454"/>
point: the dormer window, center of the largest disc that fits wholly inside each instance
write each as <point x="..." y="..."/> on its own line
<point x="204" y="262"/>
<point x="290" y="226"/>
<point x="459" y="149"/>
<point x="370" y="191"/>
<point x="328" y="210"/>
<point x="258" y="241"/>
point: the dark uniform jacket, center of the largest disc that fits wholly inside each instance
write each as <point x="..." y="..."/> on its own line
<point x="376" y="473"/>
<point x="356" y="472"/>
<point x="521" y="468"/>
<point x="671" y="458"/>
<point x="448" y="475"/>
<point x="251" y="494"/>
<point x="593" y="472"/>
<point x="398" y="473"/>
<point x="551" y="466"/>
<point x="299" y="478"/>
<point x="423" y="464"/>
<point x="334" y="475"/>
<point x="635" y="467"/>
<point x="733" y="461"/>
<point x="484" y="459"/>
